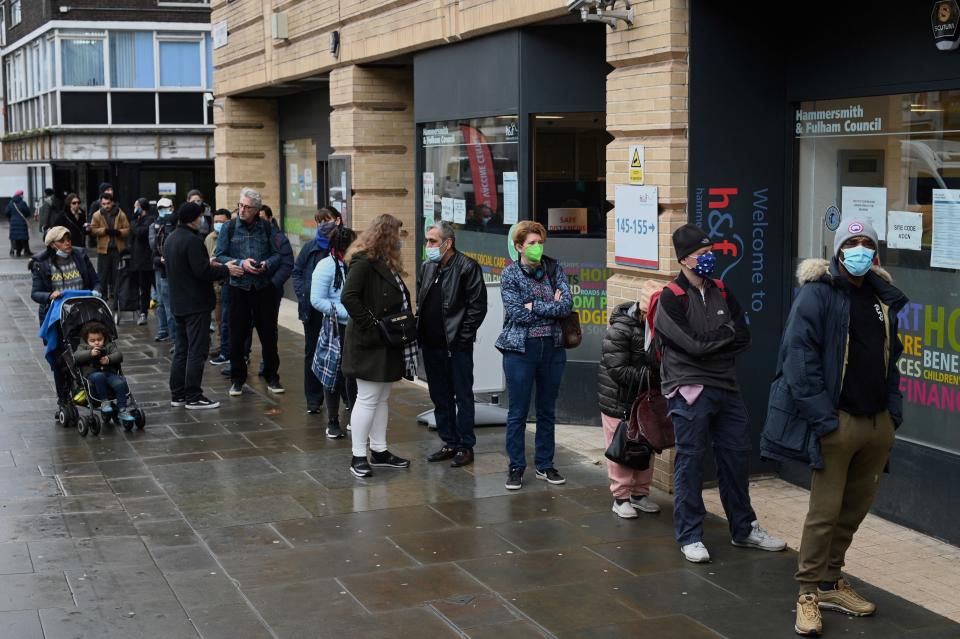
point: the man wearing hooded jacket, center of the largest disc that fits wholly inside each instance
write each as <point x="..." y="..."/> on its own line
<point x="835" y="403"/>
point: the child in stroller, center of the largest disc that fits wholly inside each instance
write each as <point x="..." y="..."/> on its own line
<point x="99" y="361"/>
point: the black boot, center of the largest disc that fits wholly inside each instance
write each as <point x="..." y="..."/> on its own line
<point x="333" y="429"/>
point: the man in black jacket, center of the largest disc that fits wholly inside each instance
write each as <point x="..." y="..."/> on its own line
<point x="190" y="273"/>
<point x="701" y="329"/>
<point x="452" y="302"/>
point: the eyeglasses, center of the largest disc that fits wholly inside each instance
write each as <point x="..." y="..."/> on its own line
<point x="246" y="207"/>
<point x="75" y="202"/>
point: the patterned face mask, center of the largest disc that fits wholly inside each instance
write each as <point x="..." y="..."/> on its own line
<point x="706" y="264"/>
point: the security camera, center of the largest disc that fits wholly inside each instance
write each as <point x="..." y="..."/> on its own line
<point x="603" y="11"/>
<point x="576" y="5"/>
<point x="208" y="98"/>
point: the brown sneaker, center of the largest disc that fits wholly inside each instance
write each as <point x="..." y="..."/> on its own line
<point x="808" y="616"/>
<point x="845" y="599"/>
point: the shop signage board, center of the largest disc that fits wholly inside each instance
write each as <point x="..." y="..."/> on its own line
<point x="637" y="162"/>
<point x="637" y="232"/>
<point x="904" y="230"/>
<point x="866" y="204"/>
<point x="167" y="188"/>
<point x="945" y="249"/>
<point x="943" y="20"/>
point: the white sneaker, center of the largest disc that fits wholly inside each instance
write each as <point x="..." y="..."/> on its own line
<point x="624" y="510"/>
<point x="760" y="538"/>
<point x="695" y="552"/>
<point x="644" y="504"/>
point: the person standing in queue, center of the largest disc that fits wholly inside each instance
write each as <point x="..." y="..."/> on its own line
<point x="325" y="292"/>
<point x="73" y="218"/>
<point x="451" y="303"/>
<point x="311" y="254"/>
<point x="535" y="298"/>
<point x="191" y="273"/>
<point x="701" y="329"/>
<point x="247" y="242"/>
<point x="160" y="230"/>
<point x="141" y="257"/>
<point x="278" y="276"/>
<point x="374" y="289"/>
<point x="837" y="387"/>
<point x="111" y="228"/>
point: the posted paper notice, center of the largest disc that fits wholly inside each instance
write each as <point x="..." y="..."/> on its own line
<point x="428" y="197"/>
<point x="511" y="199"/>
<point x="446" y="209"/>
<point x="866" y="204"/>
<point x="459" y="211"/>
<point x="945" y="249"/>
<point x="904" y="230"/>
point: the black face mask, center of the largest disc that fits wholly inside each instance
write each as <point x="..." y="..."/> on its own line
<point x="533" y="272"/>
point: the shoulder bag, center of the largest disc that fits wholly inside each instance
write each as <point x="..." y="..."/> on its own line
<point x="397" y="329"/>
<point x="627" y="447"/>
<point x="569" y="325"/>
<point x="649" y="416"/>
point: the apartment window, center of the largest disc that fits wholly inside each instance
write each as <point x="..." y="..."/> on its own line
<point x="82" y="62"/>
<point x="180" y="63"/>
<point x="208" y="45"/>
<point x="15" y="15"/>
<point x="131" y="60"/>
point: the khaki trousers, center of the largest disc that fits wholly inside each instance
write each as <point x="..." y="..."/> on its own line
<point x="854" y="456"/>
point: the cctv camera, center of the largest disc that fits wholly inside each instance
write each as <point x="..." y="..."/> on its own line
<point x="208" y="98"/>
<point x="577" y="5"/>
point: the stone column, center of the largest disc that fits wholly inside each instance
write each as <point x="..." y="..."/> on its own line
<point x="647" y="96"/>
<point x="372" y="122"/>
<point x="247" y="147"/>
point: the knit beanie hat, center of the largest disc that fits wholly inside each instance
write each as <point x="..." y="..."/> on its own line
<point x="689" y="238"/>
<point x="853" y="228"/>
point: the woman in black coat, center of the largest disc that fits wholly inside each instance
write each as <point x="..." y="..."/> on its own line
<point x="74" y="219"/>
<point x="374" y="289"/>
<point x="624" y="369"/>
<point x="141" y="256"/>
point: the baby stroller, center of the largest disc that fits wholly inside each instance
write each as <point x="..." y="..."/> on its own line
<point x="80" y="393"/>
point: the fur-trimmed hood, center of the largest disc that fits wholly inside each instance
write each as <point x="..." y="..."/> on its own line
<point x="820" y="270"/>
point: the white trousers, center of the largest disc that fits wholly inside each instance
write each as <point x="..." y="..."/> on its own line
<point x="368" y="419"/>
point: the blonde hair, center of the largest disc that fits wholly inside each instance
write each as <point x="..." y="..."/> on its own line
<point x="380" y="241"/>
<point x="527" y="227"/>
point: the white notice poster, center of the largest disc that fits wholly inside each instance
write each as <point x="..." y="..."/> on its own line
<point x="294" y="172"/>
<point x="428" y="198"/>
<point x="511" y="198"/>
<point x="945" y="246"/>
<point x="865" y="204"/>
<point x="446" y="209"/>
<point x="904" y="229"/>
<point x="308" y="178"/>
<point x="636" y="241"/>
<point x="459" y="211"/>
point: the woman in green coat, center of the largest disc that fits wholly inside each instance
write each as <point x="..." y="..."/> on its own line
<point x="374" y="289"/>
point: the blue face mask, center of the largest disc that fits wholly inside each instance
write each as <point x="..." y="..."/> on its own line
<point x="62" y="254"/>
<point x="434" y="253"/>
<point x="217" y="226"/>
<point x="706" y="264"/>
<point x="163" y="212"/>
<point x="858" y="260"/>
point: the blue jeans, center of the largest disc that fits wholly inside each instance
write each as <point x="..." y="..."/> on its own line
<point x="721" y="415"/>
<point x="162" y="327"/>
<point x="542" y="364"/>
<point x="107" y="385"/>
<point x="450" y="381"/>
<point x="163" y="292"/>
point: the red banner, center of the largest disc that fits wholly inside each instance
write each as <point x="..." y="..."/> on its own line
<point x="481" y="166"/>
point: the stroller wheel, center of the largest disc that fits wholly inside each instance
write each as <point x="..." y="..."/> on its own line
<point x="83" y="425"/>
<point x="61" y="417"/>
<point x="96" y="424"/>
<point x="139" y="419"/>
<point x="73" y="416"/>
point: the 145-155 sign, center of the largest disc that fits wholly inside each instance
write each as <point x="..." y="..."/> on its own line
<point x="637" y="236"/>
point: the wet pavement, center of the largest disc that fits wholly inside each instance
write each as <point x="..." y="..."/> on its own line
<point x="244" y="522"/>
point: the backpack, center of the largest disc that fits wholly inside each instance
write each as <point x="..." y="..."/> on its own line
<point x="650" y="336"/>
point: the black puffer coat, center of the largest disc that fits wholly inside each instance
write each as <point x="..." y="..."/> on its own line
<point x="622" y="357"/>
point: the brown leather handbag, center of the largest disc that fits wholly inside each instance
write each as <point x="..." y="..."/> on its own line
<point x="569" y="325"/>
<point x="649" y="415"/>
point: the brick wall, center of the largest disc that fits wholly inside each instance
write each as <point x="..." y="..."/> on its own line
<point x="247" y="147"/>
<point x="647" y="95"/>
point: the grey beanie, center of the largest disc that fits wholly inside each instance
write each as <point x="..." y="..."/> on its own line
<point x="853" y="228"/>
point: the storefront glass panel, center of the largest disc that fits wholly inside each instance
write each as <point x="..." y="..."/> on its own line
<point x="896" y="161"/>
<point x="300" y="190"/>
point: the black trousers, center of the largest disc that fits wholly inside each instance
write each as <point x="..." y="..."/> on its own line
<point x="143" y="280"/>
<point x="189" y="356"/>
<point x="20" y="247"/>
<point x="345" y="388"/>
<point x="107" y="264"/>
<point x="251" y="309"/>
<point x="312" y="387"/>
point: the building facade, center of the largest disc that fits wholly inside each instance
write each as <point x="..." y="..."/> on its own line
<point x="487" y="112"/>
<point x="115" y="92"/>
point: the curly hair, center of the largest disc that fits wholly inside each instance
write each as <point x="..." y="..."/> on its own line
<point x="93" y="328"/>
<point x="380" y="241"/>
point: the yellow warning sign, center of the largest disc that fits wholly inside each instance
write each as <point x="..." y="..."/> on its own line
<point x="636" y="164"/>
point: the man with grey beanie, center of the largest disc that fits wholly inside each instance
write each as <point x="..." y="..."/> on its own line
<point x="835" y="403"/>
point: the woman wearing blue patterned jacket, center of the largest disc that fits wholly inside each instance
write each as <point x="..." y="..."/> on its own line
<point x="535" y="298"/>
